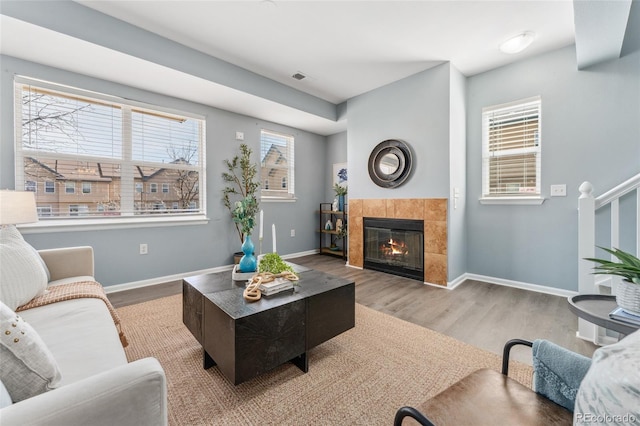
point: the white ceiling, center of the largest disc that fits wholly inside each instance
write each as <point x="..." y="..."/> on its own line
<point x="346" y="48"/>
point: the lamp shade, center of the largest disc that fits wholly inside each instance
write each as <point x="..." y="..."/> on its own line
<point x="17" y="207"/>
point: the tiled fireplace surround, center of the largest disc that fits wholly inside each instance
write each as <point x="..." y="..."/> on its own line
<point x="433" y="211"/>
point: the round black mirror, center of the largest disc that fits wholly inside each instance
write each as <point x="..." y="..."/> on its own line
<point x="390" y="163"/>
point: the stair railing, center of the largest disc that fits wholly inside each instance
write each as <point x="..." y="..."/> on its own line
<point x="587" y="284"/>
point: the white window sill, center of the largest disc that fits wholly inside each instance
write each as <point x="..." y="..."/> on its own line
<point x="513" y="200"/>
<point x="98" y="224"/>
<point x="277" y="200"/>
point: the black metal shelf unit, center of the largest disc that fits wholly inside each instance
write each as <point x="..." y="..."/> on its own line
<point x="332" y="241"/>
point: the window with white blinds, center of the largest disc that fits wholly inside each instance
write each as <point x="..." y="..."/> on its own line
<point x="93" y="155"/>
<point x="277" y="165"/>
<point x="511" y="149"/>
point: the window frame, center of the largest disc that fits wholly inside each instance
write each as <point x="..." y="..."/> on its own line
<point x="69" y="188"/>
<point x="272" y="191"/>
<point x="86" y="185"/>
<point x="489" y="151"/>
<point x="47" y="186"/>
<point x="118" y="219"/>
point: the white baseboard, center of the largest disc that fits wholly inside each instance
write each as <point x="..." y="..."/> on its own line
<point x="510" y="283"/>
<point x="450" y="285"/>
<point x="168" y="278"/>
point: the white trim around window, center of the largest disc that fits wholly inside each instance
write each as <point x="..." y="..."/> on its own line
<point x="102" y="149"/>
<point x="277" y="165"/>
<point x="511" y="152"/>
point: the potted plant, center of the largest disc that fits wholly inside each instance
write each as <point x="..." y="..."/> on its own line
<point x="241" y="181"/>
<point x="628" y="267"/>
<point x="244" y="214"/>
<point x="340" y="191"/>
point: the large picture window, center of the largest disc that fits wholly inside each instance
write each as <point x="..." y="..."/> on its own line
<point x="277" y="165"/>
<point x="511" y="150"/>
<point x="95" y="155"/>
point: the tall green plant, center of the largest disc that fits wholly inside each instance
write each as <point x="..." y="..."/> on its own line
<point x="240" y="178"/>
<point x="628" y="267"/>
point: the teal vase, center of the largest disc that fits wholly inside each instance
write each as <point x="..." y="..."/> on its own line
<point x="248" y="263"/>
<point x="340" y="203"/>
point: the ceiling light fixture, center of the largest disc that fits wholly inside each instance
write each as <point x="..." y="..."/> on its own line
<point x="518" y="43"/>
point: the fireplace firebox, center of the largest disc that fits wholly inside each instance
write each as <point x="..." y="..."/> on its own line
<point x="395" y="246"/>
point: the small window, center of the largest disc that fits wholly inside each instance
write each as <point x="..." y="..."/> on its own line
<point x="86" y="187"/>
<point x="165" y="188"/>
<point x="153" y="188"/>
<point x="139" y="187"/>
<point x="277" y="165"/>
<point x="78" y="210"/>
<point x="69" y="187"/>
<point x="30" y="186"/>
<point x="511" y="150"/>
<point x="44" y="211"/>
<point x="49" y="187"/>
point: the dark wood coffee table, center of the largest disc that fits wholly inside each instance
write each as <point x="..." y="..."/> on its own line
<point x="247" y="339"/>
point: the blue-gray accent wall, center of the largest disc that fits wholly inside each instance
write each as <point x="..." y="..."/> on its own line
<point x="590" y="132"/>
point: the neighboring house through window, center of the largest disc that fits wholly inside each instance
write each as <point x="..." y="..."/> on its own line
<point x="44" y="211"/>
<point x="511" y="150"/>
<point x="108" y="148"/>
<point x="277" y="165"/>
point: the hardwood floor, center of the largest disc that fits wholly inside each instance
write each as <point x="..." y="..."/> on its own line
<point x="481" y="314"/>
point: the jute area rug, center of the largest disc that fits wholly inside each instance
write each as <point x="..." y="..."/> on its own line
<point x="358" y="378"/>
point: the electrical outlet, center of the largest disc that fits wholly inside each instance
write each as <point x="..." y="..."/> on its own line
<point x="559" y="190"/>
<point x="144" y="249"/>
<point x="293" y="232"/>
<point x="239" y="136"/>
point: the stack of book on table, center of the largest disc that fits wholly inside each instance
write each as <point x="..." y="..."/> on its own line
<point x="625" y="316"/>
<point x="276" y="286"/>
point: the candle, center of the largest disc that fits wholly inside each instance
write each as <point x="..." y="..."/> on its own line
<point x="261" y="218"/>
<point x="273" y="232"/>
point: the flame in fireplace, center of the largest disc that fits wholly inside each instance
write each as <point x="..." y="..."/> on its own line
<point x="394" y="248"/>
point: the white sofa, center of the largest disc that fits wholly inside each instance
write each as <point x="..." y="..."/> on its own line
<point x="98" y="385"/>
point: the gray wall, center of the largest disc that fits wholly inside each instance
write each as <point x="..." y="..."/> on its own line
<point x="457" y="231"/>
<point x="336" y="153"/>
<point x="590" y="132"/>
<point x="179" y="249"/>
<point x="415" y="110"/>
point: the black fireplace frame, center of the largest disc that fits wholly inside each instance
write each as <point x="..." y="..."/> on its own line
<point x="391" y="224"/>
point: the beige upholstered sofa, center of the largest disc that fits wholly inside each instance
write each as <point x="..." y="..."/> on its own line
<point x="97" y="386"/>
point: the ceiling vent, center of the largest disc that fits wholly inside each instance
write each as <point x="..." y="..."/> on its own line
<point x="299" y="76"/>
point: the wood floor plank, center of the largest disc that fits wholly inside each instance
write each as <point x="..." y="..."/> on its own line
<point x="481" y="314"/>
